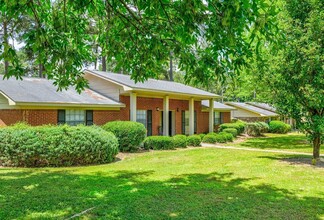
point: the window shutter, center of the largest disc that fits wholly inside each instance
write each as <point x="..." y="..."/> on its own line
<point x="60" y="117"/>
<point x="149" y="122"/>
<point x="89" y="117"/>
<point x="221" y="120"/>
<point x="195" y="122"/>
<point x="183" y="122"/>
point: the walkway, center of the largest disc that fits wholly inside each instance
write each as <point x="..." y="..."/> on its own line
<point x="256" y="149"/>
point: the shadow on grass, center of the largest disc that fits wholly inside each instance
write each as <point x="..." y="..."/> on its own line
<point x="296" y="160"/>
<point x="132" y="195"/>
<point x="293" y="142"/>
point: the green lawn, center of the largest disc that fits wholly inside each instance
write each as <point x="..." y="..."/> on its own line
<point x="296" y="142"/>
<point x="201" y="183"/>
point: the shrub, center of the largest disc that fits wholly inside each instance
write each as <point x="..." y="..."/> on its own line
<point x="238" y="126"/>
<point x="180" y="141"/>
<point x="253" y="129"/>
<point x="264" y="127"/>
<point x="210" y="138"/>
<point x="232" y="131"/>
<point x="202" y="135"/>
<point x="194" y="140"/>
<point x="129" y="134"/>
<point x="158" y="143"/>
<point x="227" y="136"/>
<point x="279" y="127"/>
<point x="56" y="146"/>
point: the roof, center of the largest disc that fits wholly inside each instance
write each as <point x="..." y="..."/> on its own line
<point x="152" y="84"/>
<point x="218" y="106"/>
<point x="42" y="91"/>
<point x="245" y="106"/>
<point x="263" y="105"/>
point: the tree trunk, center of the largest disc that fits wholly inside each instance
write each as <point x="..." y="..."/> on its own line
<point x="5" y="39"/>
<point x="316" y="147"/>
<point x="104" y="63"/>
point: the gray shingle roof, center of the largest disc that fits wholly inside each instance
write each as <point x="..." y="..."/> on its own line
<point x="218" y="106"/>
<point x="263" y="105"/>
<point x="34" y="90"/>
<point x="152" y="84"/>
<point x="251" y="108"/>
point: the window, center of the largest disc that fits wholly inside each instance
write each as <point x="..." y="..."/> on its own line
<point x="145" y="117"/>
<point x="185" y="122"/>
<point x="75" y="117"/>
<point x="217" y="118"/>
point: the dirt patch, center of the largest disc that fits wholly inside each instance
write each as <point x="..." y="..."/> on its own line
<point x="303" y="161"/>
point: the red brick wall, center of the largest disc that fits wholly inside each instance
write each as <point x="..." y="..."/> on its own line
<point x="101" y="117"/>
<point x="32" y="117"/>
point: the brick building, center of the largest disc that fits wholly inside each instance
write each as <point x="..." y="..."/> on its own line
<point x="164" y="107"/>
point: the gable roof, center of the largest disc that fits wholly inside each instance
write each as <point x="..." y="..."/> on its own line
<point x="263" y="106"/>
<point x="152" y="85"/>
<point x="43" y="92"/>
<point x="245" y="106"/>
<point x="218" y="106"/>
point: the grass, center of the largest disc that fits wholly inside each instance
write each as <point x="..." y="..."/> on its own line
<point x="296" y="142"/>
<point x="200" y="183"/>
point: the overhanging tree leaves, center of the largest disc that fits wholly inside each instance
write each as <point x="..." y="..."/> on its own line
<point x="208" y="38"/>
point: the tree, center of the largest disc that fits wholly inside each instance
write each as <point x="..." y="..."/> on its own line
<point x="208" y="38"/>
<point x="295" y="74"/>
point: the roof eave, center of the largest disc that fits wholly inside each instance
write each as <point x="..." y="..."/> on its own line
<point x="64" y="104"/>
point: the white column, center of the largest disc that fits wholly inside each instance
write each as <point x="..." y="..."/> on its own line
<point x="191" y="116"/>
<point x="133" y="99"/>
<point x="211" y="115"/>
<point x="166" y="116"/>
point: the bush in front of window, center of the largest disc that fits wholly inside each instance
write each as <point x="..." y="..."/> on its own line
<point x="130" y="134"/>
<point x="279" y="127"/>
<point x="159" y="143"/>
<point x="180" y="141"/>
<point x="194" y="140"/>
<point x="232" y="131"/>
<point x="41" y="146"/>
<point x="202" y="135"/>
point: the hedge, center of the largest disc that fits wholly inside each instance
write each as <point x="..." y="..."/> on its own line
<point x="194" y="140"/>
<point x="210" y="138"/>
<point x="253" y="129"/>
<point x="239" y="126"/>
<point x="202" y="135"/>
<point x="228" y="136"/>
<point x="180" y="141"/>
<point x="264" y="127"/>
<point x="279" y="127"/>
<point x="130" y="134"/>
<point x="56" y="146"/>
<point x="232" y="131"/>
<point x="221" y="137"/>
<point x="159" y="143"/>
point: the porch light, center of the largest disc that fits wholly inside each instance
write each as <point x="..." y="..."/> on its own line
<point x="157" y="109"/>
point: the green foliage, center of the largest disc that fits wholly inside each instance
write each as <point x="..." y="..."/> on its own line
<point x="210" y="138"/>
<point x="227" y="136"/>
<point x="253" y="129"/>
<point x="56" y="146"/>
<point x="64" y="35"/>
<point x="130" y="134"/>
<point x="194" y="140"/>
<point x="202" y="135"/>
<point x="264" y="127"/>
<point x="232" y="131"/>
<point x="159" y="143"/>
<point x="180" y="141"/>
<point x="238" y="125"/>
<point x="279" y="127"/>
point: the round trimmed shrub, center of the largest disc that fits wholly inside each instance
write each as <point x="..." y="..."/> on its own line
<point x="210" y="138"/>
<point x="194" y="140"/>
<point x="158" y="143"/>
<point x="253" y="129"/>
<point x="279" y="127"/>
<point x="130" y="134"/>
<point x="232" y="131"/>
<point x="56" y="146"/>
<point x="239" y="126"/>
<point x="180" y="141"/>
<point x="227" y="136"/>
<point x="202" y="135"/>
